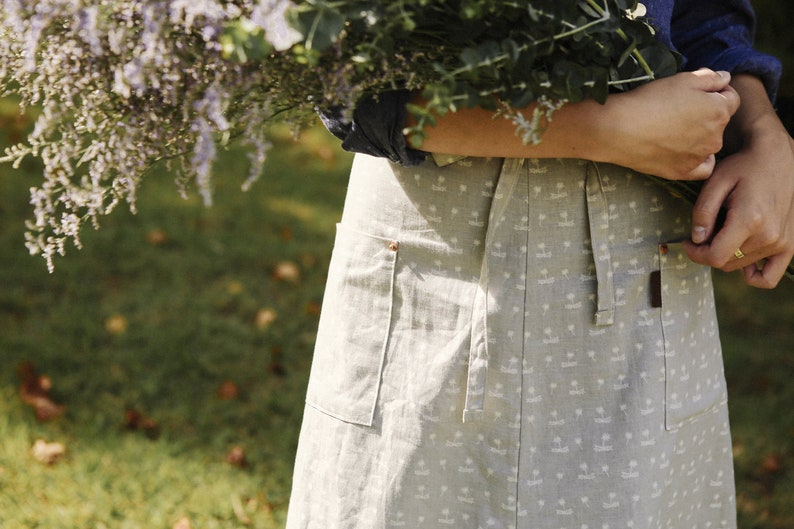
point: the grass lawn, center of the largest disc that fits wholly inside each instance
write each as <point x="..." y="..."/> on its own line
<point x="179" y="342"/>
<point x="199" y="320"/>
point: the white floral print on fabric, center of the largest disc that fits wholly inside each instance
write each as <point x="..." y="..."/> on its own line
<point x="529" y="378"/>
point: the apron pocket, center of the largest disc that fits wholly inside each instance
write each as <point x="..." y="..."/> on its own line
<point x="693" y="367"/>
<point x="354" y="327"/>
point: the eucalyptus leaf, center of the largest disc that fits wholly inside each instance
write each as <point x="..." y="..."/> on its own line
<point x="320" y="22"/>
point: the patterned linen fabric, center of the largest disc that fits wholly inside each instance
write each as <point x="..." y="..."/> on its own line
<point x="514" y="344"/>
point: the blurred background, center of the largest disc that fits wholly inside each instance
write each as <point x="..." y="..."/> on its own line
<point x="156" y="379"/>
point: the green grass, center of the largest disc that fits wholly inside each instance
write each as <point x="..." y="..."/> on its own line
<point x="189" y="299"/>
<point x="758" y="339"/>
<point x="188" y="283"/>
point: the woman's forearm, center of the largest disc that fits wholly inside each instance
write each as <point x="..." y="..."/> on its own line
<point x="573" y="132"/>
<point x="670" y="128"/>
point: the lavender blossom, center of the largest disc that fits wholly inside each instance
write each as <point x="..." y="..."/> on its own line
<point x="122" y="84"/>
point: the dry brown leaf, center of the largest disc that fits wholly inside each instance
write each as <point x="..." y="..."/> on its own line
<point x="264" y="318"/>
<point x="134" y="420"/>
<point x="156" y="237"/>
<point x="15" y="126"/>
<point x="34" y="390"/>
<point x="236" y="457"/>
<point x="183" y="523"/>
<point x="228" y="390"/>
<point x="308" y="260"/>
<point x="287" y="271"/>
<point x="235" y="287"/>
<point x="772" y="464"/>
<point x="276" y="367"/>
<point x="116" y="324"/>
<point x="47" y="453"/>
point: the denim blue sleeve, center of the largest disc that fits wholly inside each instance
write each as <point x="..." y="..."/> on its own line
<point x="718" y="34"/>
<point x="376" y="128"/>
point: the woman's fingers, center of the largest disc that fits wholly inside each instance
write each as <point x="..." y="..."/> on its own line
<point x="744" y="216"/>
<point x="769" y="273"/>
<point x="706" y="210"/>
<point x="673" y="127"/>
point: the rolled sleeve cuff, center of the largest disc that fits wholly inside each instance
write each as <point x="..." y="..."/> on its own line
<point x="744" y="60"/>
<point x="376" y="128"/>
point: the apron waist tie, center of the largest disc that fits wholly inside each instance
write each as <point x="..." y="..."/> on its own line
<point x="598" y="216"/>
<point x="476" y="379"/>
<point x="478" y="355"/>
<point x="598" y="213"/>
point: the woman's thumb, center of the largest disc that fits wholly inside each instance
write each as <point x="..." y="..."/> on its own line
<point x="712" y="81"/>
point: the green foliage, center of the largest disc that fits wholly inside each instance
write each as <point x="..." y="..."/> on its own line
<point x="320" y="23"/>
<point x="496" y="55"/>
<point x="242" y="41"/>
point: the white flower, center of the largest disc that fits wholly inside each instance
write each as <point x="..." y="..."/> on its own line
<point x="270" y="15"/>
<point x="638" y="11"/>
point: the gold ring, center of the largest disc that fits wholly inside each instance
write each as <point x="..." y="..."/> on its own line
<point x="739" y="253"/>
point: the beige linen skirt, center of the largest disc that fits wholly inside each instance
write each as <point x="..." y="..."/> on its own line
<point x="514" y="343"/>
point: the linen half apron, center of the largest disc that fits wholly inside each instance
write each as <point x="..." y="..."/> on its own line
<point x="514" y="343"/>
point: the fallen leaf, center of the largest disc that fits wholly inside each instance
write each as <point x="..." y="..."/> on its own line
<point x="264" y="318"/>
<point x="308" y="260"/>
<point x="116" y="324"/>
<point x="34" y="390"/>
<point x="134" y="420"/>
<point x="47" y="453"/>
<point x="234" y="287"/>
<point x="738" y="448"/>
<point x="286" y="234"/>
<point x="156" y="237"/>
<point x="182" y="523"/>
<point x="276" y="367"/>
<point x="228" y="390"/>
<point x="772" y="464"/>
<point x="325" y="153"/>
<point x="236" y="457"/>
<point x="313" y="308"/>
<point x="287" y="271"/>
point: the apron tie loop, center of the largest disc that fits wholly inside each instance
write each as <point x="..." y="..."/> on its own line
<point x="598" y="213"/>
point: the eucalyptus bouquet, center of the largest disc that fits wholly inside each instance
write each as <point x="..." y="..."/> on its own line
<point x="118" y="85"/>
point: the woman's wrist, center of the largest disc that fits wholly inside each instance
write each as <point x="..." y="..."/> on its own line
<point x="756" y="121"/>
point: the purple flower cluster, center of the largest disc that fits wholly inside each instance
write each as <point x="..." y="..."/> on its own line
<point x="119" y="85"/>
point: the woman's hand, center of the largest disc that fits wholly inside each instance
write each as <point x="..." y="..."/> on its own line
<point x="755" y="188"/>
<point x="672" y="127"/>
